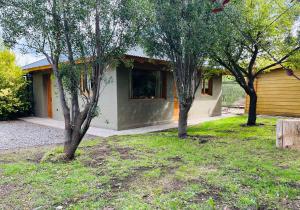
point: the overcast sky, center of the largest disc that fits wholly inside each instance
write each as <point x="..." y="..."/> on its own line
<point x="24" y="59"/>
<point x="296" y="27"/>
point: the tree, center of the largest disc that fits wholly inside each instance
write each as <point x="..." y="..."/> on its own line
<point x="250" y="37"/>
<point x="92" y="33"/>
<point x="177" y="32"/>
<point x="13" y="98"/>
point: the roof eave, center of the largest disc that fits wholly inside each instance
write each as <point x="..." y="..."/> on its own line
<point x="39" y="68"/>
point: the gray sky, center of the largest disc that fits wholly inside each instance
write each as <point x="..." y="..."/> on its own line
<point x="296" y="27"/>
<point x="24" y="59"/>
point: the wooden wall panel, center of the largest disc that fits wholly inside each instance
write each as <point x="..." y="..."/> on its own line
<point x="278" y="94"/>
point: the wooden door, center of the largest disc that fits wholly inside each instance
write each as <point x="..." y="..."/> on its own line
<point x="48" y="93"/>
<point x="176" y="104"/>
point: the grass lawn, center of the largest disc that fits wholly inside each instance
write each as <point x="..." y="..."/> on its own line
<point x="224" y="165"/>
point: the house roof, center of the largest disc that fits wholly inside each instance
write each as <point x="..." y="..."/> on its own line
<point x="41" y="63"/>
<point x="44" y="64"/>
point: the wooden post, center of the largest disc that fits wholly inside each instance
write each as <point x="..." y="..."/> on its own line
<point x="288" y="134"/>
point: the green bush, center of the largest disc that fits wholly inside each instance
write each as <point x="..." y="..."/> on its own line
<point x="14" y="100"/>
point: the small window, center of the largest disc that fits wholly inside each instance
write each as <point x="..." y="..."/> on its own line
<point x="147" y="84"/>
<point x="207" y="87"/>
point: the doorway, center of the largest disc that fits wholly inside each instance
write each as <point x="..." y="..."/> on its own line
<point x="48" y="94"/>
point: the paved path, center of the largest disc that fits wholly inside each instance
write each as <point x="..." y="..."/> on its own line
<point x="108" y="132"/>
<point x="21" y="134"/>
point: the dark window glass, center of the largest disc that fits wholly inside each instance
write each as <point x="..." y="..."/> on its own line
<point x="146" y="84"/>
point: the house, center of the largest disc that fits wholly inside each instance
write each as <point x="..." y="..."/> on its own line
<point x="127" y="101"/>
<point x="278" y="94"/>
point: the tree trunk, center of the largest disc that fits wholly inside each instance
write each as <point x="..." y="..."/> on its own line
<point x="71" y="144"/>
<point x="252" y="109"/>
<point x="70" y="149"/>
<point x="183" y="118"/>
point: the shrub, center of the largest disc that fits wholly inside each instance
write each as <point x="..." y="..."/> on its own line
<point x="14" y="100"/>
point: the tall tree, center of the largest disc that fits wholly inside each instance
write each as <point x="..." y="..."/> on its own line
<point x="177" y="32"/>
<point x="93" y="34"/>
<point x="250" y="37"/>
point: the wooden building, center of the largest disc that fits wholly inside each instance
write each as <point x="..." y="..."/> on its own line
<point x="278" y="94"/>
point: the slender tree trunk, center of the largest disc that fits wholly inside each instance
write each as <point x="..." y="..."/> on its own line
<point x="73" y="137"/>
<point x="183" y="119"/>
<point x="252" y="109"/>
<point x="71" y="145"/>
<point x="67" y="144"/>
<point x="253" y="101"/>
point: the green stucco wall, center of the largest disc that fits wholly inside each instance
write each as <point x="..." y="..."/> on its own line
<point x="142" y="112"/>
<point x="119" y="112"/>
<point x="107" y="104"/>
<point x="205" y="105"/>
<point x="39" y="95"/>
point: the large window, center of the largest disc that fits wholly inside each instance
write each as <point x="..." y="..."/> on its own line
<point x="147" y="84"/>
<point x="207" y="87"/>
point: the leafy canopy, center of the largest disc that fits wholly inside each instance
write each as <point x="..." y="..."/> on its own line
<point x="248" y="23"/>
<point x="178" y="28"/>
<point x="177" y="32"/>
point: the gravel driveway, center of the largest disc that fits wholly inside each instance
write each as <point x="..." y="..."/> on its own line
<point x="20" y="134"/>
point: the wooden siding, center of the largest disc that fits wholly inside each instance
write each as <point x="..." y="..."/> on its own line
<point x="278" y="94"/>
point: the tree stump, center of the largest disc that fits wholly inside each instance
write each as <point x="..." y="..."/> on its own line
<point x="288" y="134"/>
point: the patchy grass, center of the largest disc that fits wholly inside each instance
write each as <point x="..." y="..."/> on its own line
<point x="221" y="165"/>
